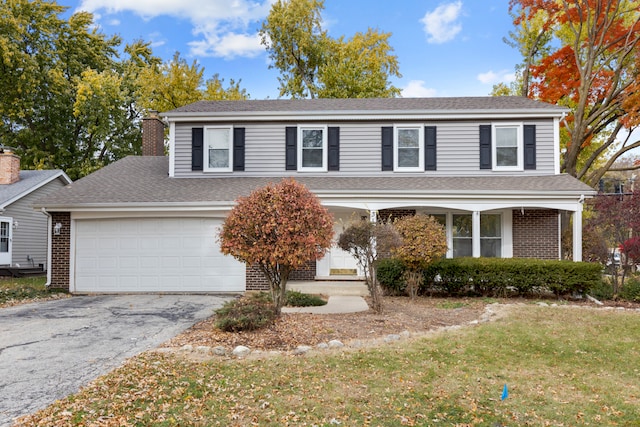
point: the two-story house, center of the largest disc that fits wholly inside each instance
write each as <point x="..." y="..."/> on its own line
<point x="486" y="167"/>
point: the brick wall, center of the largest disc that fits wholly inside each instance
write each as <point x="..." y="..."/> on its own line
<point x="152" y="135"/>
<point x="255" y="280"/>
<point x="60" y="250"/>
<point x="395" y="213"/>
<point x="9" y="168"/>
<point x="535" y="234"/>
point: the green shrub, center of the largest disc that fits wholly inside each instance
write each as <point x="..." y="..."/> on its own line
<point x="298" y="299"/>
<point x="502" y="276"/>
<point x="390" y="276"/>
<point x="250" y="312"/>
<point x="631" y="290"/>
<point x="601" y="291"/>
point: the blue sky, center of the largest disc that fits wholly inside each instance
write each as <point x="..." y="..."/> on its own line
<point x="444" y="48"/>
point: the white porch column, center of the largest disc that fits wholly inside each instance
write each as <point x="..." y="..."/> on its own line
<point x="475" y="234"/>
<point x="577" y="233"/>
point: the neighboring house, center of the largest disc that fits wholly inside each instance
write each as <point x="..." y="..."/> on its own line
<point x="23" y="231"/>
<point x="486" y="167"/>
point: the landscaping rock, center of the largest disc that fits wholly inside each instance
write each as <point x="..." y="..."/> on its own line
<point x="220" y="351"/>
<point x="203" y="349"/>
<point x="241" y="351"/>
<point x="187" y="348"/>
<point x="335" y="344"/>
<point x="322" y="346"/>
<point x="302" y="349"/>
<point x="391" y="338"/>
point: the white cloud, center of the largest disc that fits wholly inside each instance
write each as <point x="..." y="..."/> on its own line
<point x="114" y="22"/>
<point x="221" y="25"/>
<point x="227" y="45"/>
<point x="491" y="77"/>
<point x="417" y="89"/>
<point x="442" y="24"/>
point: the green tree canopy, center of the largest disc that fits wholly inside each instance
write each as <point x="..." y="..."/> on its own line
<point x="71" y="99"/>
<point x="314" y="65"/>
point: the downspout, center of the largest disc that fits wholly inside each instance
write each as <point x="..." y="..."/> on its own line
<point x="49" y="244"/>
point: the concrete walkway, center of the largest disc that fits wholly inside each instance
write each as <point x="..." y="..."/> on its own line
<point x="335" y="304"/>
<point x="344" y="296"/>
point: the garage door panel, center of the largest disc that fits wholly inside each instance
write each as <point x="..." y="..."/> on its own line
<point x="153" y="255"/>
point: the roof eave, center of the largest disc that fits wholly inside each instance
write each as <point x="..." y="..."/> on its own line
<point x="362" y="115"/>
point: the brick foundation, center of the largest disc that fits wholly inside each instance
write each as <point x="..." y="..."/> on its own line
<point x="535" y="234"/>
<point x="255" y="280"/>
<point x="60" y="250"/>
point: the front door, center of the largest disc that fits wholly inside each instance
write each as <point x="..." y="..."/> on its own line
<point x="5" y="240"/>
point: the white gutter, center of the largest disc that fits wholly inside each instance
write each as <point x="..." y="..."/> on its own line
<point x="49" y="245"/>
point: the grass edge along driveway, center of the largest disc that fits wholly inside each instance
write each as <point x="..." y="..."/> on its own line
<point x="562" y="366"/>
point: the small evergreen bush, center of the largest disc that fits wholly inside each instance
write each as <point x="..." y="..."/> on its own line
<point x="601" y="291"/>
<point x="390" y="276"/>
<point x="250" y="312"/>
<point x="298" y="299"/>
<point x="631" y="290"/>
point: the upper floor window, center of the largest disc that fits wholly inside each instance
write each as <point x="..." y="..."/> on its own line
<point x="507" y="147"/>
<point x="408" y="147"/>
<point x="312" y="148"/>
<point x="218" y="149"/>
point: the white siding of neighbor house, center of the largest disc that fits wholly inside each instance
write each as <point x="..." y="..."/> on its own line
<point x="360" y="148"/>
<point x="30" y="236"/>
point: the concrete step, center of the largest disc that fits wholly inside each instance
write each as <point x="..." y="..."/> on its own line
<point x="338" y="287"/>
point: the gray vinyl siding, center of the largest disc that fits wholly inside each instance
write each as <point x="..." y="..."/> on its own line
<point x="360" y="148"/>
<point x="30" y="236"/>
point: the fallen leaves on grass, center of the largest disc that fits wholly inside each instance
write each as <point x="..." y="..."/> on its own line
<point x="294" y="329"/>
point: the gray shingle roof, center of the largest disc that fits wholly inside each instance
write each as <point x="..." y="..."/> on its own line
<point x="29" y="179"/>
<point x="452" y="104"/>
<point x="138" y="181"/>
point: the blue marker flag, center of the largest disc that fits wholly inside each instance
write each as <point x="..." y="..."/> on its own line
<point x="505" y="392"/>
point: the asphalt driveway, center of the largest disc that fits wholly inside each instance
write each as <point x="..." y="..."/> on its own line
<point x="48" y="350"/>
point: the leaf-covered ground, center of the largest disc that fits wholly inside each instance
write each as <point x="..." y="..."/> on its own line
<point x="563" y="366"/>
<point x="294" y="329"/>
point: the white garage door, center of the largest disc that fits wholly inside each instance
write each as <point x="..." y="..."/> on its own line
<point x="153" y="255"/>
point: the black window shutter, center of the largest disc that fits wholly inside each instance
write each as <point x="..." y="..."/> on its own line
<point x="485" y="146"/>
<point x="197" y="148"/>
<point x="529" y="146"/>
<point x="238" y="149"/>
<point x="387" y="148"/>
<point x="291" y="142"/>
<point x="334" y="149"/>
<point x="430" y="163"/>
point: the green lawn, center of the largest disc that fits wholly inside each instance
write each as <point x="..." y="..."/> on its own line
<point x="563" y="366"/>
<point x="24" y="289"/>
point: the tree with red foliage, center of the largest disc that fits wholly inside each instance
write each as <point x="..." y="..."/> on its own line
<point x="630" y="248"/>
<point x="617" y="220"/>
<point x="278" y="228"/>
<point x="590" y="63"/>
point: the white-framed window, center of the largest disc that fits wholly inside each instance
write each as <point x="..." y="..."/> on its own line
<point x="218" y="149"/>
<point x="312" y="148"/>
<point x="492" y="238"/>
<point x="408" y="147"/>
<point x="462" y="233"/>
<point x="491" y="235"/>
<point x="507" y="146"/>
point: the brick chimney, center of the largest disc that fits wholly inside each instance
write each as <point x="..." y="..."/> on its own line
<point x="9" y="167"/>
<point x="152" y="135"/>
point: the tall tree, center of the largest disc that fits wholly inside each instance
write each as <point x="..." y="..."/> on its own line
<point x="175" y="83"/>
<point x="592" y="68"/>
<point x="314" y="65"/>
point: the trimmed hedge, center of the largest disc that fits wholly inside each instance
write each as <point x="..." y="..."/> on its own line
<point x="497" y="276"/>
